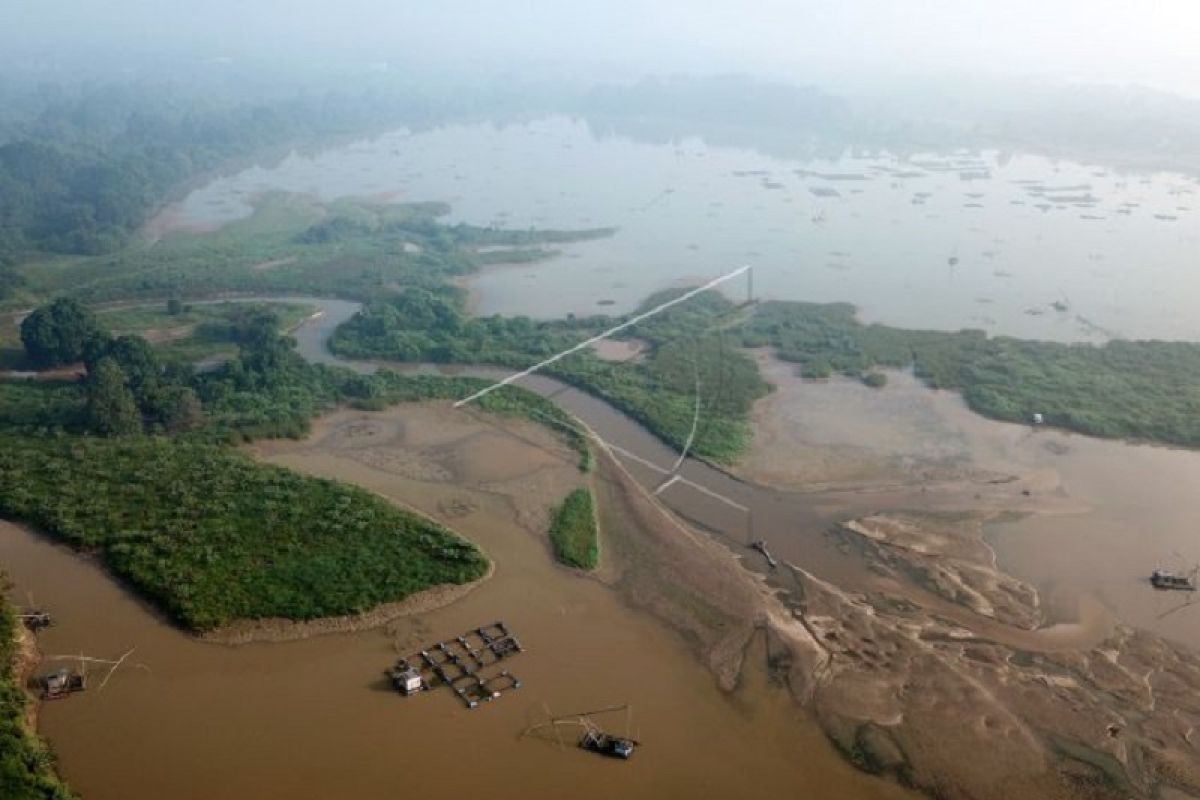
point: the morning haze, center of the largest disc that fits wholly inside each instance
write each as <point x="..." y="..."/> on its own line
<point x="637" y="400"/>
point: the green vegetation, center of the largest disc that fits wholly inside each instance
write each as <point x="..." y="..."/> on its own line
<point x="36" y="407"/>
<point x="206" y="533"/>
<point x="689" y="344"/>
<point x="26" y="764"/>
<point x="573" y="530"/>
<point x="198" y="331"/>
<point x="1139" y="390"/>
<point x="212" y="536"/>
<point x="82" y="167"/>
<point x="1148" y="390"/>
<point x="55" y="334"/>
<point x="346" y="248"/>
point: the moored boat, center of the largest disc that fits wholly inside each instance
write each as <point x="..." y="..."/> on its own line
<point x="1162" y="579"/>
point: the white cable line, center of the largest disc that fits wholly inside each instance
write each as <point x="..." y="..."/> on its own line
<point x="588" y="433"/>
<point x="587" y="343"/>
<point x="695" y="422"/>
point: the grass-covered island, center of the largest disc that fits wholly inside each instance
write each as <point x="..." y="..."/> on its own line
<point x="135" y="463"/>
<point x="213" y="537"/>
<point x="574" y="533"/>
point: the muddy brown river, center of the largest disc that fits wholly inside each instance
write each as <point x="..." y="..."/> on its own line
<point x="313" y="718"/>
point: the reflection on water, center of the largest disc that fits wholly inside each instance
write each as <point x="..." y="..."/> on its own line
<point x="992" y="241"/>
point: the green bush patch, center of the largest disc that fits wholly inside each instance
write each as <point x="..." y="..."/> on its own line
<point x="573" y="530"/>
<point x="212" y="536"/>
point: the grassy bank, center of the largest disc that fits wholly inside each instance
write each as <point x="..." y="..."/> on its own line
<point x="26" y="764"/>
<point x="691" y="346"/>
<point x="211" y="536"/>
<point x="293" y="244"/>
<point x="197" y="331"/>
<point x="1143" y="390"/>
<point x="573" y="531"/>
<point x="193" y="333"/>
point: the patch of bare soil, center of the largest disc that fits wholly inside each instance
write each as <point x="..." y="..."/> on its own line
<point x="943" y="675"/>
<point x="685" y="578"/>
<point x="624" y="350"/>
<point x="159" y="335"/>
<point x="263" y="266"/>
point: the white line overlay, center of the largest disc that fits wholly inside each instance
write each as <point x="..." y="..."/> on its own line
<point x="688" y="295"/>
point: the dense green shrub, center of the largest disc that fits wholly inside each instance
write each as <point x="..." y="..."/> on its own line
<point x="212" y="536"/>
<point x="689" y="348"/>
<point x="1147" y="390"/>
<point x="573" y="531"/>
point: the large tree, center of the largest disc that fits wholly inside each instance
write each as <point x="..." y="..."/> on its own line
<point x="111" y="408"/>
<point x="60" y="333"/>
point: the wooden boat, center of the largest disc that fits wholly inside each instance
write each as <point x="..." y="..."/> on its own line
<point x="596" y="741"/>
<point x="62" y="683"/>
<point x="1162" y="579"/>
<point x="593" y="739"/>
<point x="36" y="620"/>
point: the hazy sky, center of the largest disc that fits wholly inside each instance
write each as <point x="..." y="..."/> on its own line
<point x="1152" y="42"/>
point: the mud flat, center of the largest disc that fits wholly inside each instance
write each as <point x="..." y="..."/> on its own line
<point x="314" y="718"/>
<point x="944" y="669"/>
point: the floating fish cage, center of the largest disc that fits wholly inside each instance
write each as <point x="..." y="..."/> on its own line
<point x="465" y="663"/>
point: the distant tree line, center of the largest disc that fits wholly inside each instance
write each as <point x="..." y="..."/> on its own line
<point x="82" y="169"/>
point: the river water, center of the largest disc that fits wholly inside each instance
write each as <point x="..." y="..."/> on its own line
<point x="310" y="718"/>
<point x="313" y="718"/>
<point x="946" y="240"/>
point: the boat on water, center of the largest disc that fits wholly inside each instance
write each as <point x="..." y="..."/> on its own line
<point x="596" y="741"/>
<point x="1162" y="579"/>
<point x="62" y="683"/>
<point x="593" y="740"/>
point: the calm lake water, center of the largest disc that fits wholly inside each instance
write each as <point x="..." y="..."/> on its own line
<point x="988" y="240"/>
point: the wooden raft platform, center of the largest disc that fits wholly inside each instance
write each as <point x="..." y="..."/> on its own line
<point x="466" y="663"/>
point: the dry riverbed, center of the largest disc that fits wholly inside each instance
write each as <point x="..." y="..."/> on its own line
<point x="941" y="667"/>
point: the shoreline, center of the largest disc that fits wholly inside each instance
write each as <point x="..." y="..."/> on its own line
<point x="280" y="629"/>
<point x="29" y="657"/>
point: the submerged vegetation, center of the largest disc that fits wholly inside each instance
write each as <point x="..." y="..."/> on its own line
<point x="26" y="764"/>
<point x="574" y="534"/>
